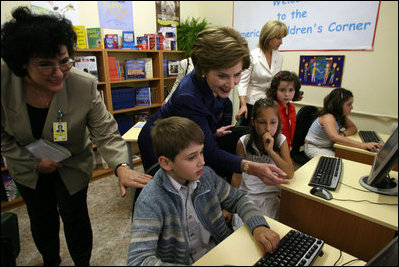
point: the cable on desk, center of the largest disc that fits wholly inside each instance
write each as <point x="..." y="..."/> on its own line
<point x="350" y="261"/>
<point x="365" y="200"/>
<point x="367" y="191"/>
<point x="340" y="255"/>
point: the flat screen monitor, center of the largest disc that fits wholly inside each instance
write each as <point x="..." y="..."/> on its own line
<point x="388" y="256"/>
<point x="378" y="180"/>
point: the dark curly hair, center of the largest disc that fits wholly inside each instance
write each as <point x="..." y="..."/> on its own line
<point x="286" y="76"/>
<point x="334" y="102"/>
<point x="30" y="35"/>
<point x="259" y="105"/>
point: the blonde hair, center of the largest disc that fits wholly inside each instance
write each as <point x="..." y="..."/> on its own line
<point x="272" y="29"/>
<point x="219" y="47"/>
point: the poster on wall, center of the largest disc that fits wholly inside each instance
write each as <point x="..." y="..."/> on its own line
<point x="312" y="25"/>
<point x="167" y="14"/>
<point x="116" y="15"/>
<point x="69" y="9"/>
<point x="325" y="71"/>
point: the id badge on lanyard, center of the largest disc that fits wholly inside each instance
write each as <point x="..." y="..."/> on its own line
<point x="60" y="128"/>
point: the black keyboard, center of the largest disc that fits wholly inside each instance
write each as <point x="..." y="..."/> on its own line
<point x="327" y="173"/>
<point x="295" y="248"/>
<point x="370" y="136"/>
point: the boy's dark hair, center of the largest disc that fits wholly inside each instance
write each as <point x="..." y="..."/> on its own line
<point x="30" y="35"/>
<point x="334" y="102"/>
<point x="171" y="135"/>
<point x="259" y="105"/>
<point x="286" y="76"/>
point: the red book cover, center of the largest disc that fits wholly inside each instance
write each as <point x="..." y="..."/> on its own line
<point x="113" y="72"/>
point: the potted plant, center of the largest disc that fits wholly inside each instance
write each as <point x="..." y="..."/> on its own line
<point x="187" y="33"/>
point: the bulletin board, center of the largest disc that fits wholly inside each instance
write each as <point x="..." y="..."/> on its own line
<point x="312" y="25"/>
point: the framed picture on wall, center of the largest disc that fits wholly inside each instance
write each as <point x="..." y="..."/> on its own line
<point x="321" y="70"/>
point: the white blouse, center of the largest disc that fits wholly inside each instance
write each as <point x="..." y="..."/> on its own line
<point x="258" y="77"/>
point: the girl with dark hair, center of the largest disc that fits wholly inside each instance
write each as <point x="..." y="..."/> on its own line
<point x="264" y="144"/>
<point x="333" y="125"/>
<point x="284" y="89"/>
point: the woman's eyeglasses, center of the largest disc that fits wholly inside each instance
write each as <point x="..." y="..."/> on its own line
<point x="48" y="67"/>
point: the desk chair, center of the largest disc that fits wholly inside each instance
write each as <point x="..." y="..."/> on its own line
<point x="304" y="119"/>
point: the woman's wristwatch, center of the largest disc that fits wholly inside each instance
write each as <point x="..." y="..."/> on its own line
<point x="120" y="164"/>
<point x="246" y="166"/>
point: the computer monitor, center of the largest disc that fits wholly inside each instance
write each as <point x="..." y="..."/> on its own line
<point x="388" y="256"/>
<point x="378" y="180"/>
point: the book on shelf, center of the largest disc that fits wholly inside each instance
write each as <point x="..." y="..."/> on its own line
<point x="128" y="39"/>
<point x="165" y="67"/>
<point x="143" y="42"/>
<point x="111" y="41"/>
<point x="43" y="148"/>
<point x="120" y="67"/>
<point x="148" y="68"/>
<point x="87" y="64"/>
<point x="169" y="37"/>
<point x="123" y="97"/>
<point x="95" y="37"/>
<point x="143" y="96"/>
<point x="155" y="41"/>
<point x="135" y="69"/>
<point x="81" y="41"/>
<point x="173" y="66"/>
<point x="113" y="72"/>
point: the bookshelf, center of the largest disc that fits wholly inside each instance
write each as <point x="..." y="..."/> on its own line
<point x="106" y="84"/>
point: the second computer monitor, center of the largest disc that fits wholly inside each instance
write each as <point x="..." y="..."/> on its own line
<point x="378" y="180"/>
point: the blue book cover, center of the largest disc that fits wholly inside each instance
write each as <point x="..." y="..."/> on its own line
<point x="128" y="39"/>
<point x="143" y="96"/>
<point x="123" y="97"/>
<point x="135" y="69"/>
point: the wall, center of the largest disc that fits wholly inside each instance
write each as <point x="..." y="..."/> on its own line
<point x="370" y="75"/>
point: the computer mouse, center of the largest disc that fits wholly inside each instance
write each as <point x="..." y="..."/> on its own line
<point x="321" y="192"/>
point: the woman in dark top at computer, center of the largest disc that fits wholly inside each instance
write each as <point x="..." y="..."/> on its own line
<point x="219" y="56"/>
<point x="333" y="125"/>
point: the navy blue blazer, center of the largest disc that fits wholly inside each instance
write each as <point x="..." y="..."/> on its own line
<point x="194" y="99"/>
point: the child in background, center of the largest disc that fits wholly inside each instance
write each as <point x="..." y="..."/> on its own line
<point x="178" y="215"/>
<point x="284" y="89"/>
<point x="333" y="125"/>
<point x="264" y="144"/>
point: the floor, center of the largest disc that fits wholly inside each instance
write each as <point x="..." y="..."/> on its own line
<point x="110" y="216"/>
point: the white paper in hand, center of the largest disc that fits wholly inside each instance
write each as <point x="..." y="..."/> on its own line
<point x="45" y="149"/>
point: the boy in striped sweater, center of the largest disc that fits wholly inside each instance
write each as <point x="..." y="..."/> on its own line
<point x="178" y="215"/>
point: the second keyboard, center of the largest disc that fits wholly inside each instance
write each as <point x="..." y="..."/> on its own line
<point x="327" y="173"/>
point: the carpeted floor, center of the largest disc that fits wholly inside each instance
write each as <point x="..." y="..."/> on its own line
<point x="110" y="216"/>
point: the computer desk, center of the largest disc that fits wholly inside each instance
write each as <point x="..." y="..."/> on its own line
<point x="240" y="249"/>
<point x="359" y="228"/>
<point x="357" y="154"/>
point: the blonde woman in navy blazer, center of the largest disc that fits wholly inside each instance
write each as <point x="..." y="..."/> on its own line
<point x="39" y="87"/>
<point x="266" y="61"/>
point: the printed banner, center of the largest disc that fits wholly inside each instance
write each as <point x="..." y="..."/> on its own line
<point x="312" y="25"/>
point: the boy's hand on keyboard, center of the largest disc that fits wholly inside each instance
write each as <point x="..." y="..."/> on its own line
<point x="266" y="239"/>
